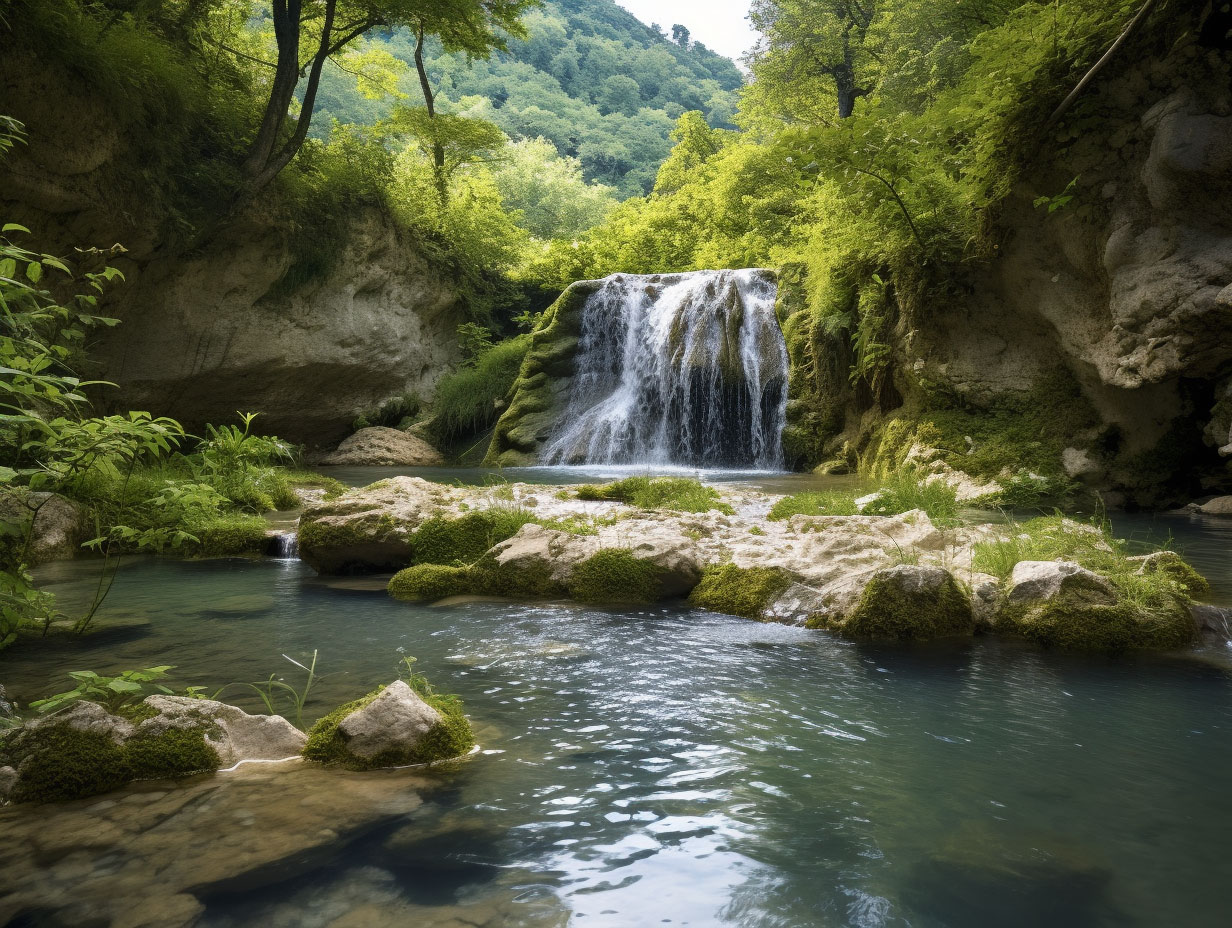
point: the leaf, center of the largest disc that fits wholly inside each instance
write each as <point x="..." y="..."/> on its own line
<point x="14" y="227"/>
<point x="34" y="271"/>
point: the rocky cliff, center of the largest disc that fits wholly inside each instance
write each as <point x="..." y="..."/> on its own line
<point x="235" y="325"/>
<point x="1103" y="327"/>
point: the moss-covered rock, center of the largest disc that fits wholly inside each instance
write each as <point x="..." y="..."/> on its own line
<point x="742" y="591"/>
<point x="543" y="382"/>
<point x="616" y="576"/>
<point x="430" y="582"/>
<point x="465" y="539"/>
<point x="907" y="603"/>
<point x="393" y="726"/>
<point x="1059" y="604"/>
<point x="229" y="536"/>
<point x="1175" y="568"/>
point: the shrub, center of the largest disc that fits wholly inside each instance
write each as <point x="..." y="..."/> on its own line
<point x="466" y="400"/>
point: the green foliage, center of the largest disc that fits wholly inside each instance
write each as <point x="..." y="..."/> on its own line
<point x="273" y="690"/>
<point x="683" y="494"/>
<point x="549" y="192"/>
<point x="906" y="490"/>
<point x="742" y="591"/>
<point x="116" y="694"/>
<point x="615" y="576"/>
<point x="466" y="400"/>
<point x="465" y="539"/>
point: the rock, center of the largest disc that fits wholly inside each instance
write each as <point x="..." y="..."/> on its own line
<point x="59" y="523"/>
<point x="391" y="727"/>
<point x="382" y="446"/>
<point x="1213" y="622"/>
<point x="396" y="721"/>
<point x="84" y="750"/>
<point x="1176" y="569"/>
<point x="906" y="602"/>
<point x="1033" y="581"/>
<point x="234" y="734"/>
<point x="368" y="530"/>
<point x="985" y="599"/>
<point x="8" y="780"/>
<point x="6" y="707"/>
<point x="1219" y="506"/>
<point x="1059" y="604"/>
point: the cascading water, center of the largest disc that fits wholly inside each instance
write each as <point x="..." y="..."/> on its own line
<point x="687" y="369"/>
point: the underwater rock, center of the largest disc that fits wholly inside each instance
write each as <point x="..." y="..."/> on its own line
<point x="394" y="726"/>
<point x="379" y="445"/>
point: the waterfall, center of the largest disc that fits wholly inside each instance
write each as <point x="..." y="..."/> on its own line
<point x="686" y="369"/>
<point x="284" y="545"/>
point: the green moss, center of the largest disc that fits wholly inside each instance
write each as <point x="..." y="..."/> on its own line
<point x="528" y="580"/>
<point x="430" y="582"/>
<point x="58" y="763"/>
<point x="614" y="575"/>
<point x="228" y="535"/>
<point x="743" y="591"/>
<point x="465" y="539"/>
<point x="681" y="494"/>
<point x="891" y="610"/>
<point x="333" y="488"/>
<point x="1173" y="567"/>
<point x="1070" y="623"/>
<point x="451" y="737"/>
<point x="176" y="752"/>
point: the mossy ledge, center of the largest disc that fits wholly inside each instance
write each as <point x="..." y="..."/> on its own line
<point x="448" y="739"/>
<point x="617" y="577"/>
<point x="906" y="603"/>
<point x="60" y="762"/>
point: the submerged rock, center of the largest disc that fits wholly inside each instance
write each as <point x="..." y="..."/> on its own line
<point x="84" y="749"/>
<point x="383" y="446"/>
<point x="391" y="727"/>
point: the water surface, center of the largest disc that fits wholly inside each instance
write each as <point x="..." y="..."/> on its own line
<point x="670" y="766"/>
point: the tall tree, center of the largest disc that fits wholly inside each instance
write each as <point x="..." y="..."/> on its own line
<point x="814" y="44"/>
<point x="307" y="33"/>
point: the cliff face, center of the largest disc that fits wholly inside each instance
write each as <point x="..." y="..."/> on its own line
<point x="221" y="330"/>
<point x="1124" y="293"/>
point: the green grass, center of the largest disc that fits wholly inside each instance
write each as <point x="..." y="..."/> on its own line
<point x="900" y="492"/>
<point x="682" y="494"/>
<point x="465" y="401"/>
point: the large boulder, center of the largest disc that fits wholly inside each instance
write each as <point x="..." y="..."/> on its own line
<point x="1060" y="604"/>
<point x="382" y="446"/>
<point x="391" y="727"/>
<point x="84" y="749"/>
<point x="907" y="602"/>
<point x="369" y="529"/>
<point x="1219" y="506"/>
<point x="57" y="525"/>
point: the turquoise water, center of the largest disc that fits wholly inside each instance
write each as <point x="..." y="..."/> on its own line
<point x="669" y="766"/>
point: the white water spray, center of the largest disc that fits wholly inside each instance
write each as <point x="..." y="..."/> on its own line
<point x="684" y="369"/>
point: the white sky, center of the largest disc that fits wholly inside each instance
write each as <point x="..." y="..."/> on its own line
<point x="721" y="25"/>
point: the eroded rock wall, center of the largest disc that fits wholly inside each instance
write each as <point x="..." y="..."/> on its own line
<point x="221" y="329"/>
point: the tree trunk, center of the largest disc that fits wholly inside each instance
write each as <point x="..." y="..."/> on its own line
<point x="286" y="75"/>
<point x="845" y="84"/>
<point x="438" y="150"/>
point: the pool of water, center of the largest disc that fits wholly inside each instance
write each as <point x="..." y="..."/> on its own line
<point x="670" y="766"/>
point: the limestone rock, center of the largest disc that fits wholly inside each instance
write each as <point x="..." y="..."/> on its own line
<point x="1219" y="506"/>
<point x="231" y="732"/>
<point x="6" y="707"/>
<point x="382" y="446"/>
<point x="1213" y="622"/>
<point x="369" y="529"/>
<point x="396" y="721"/>
<point x="8" y="780"/>
<point x="59" y="524"/>
<point x="1033" y="581"/>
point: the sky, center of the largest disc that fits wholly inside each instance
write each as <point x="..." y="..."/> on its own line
<point x="720" y="25"/>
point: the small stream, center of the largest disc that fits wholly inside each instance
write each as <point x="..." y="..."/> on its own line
<point x="670" y="766"/>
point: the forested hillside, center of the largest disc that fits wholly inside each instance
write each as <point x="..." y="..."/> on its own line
<point x="590" y="77"/>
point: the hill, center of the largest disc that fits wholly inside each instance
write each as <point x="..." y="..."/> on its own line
<point x="592" y="78"/>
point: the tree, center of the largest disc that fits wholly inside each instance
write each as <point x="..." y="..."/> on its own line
<point x="680" y="35"/>
<point x="549" y="191"/>
<point x="619" y="94"/>
<point x="695" y="143"/>
<point x="810" y="44"/>
<point x="448" y="140"/>
<point x="307" y="33"/>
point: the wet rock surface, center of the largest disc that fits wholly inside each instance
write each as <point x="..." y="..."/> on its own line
<point x="379" y="445"/>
